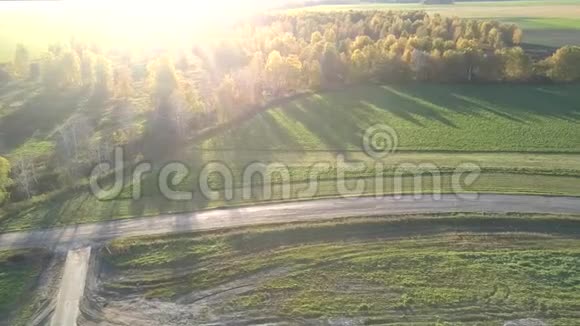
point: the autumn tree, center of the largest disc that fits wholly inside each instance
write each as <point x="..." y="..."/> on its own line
<point x="227" y="94"/>
<point x="564" y="65"/>
<point x="162" y="80"/>
<point x="330" y="35"/>
<point x="331" y="64"/>
<point x="292" y="71"/>
<point x="103" y="76"/>
<point x="88" y="60"/>
<point x="255" y="78"/>
<point x="69" y="70"/>
<point x="490" y="67"/>
<point x="72" y="148"/>
<point x="517" y="65"/>
<point x="517" y="36"/>
<point x="454" y="66"/>
<point x="275" y="66"/>
<point x="123" y="83"/>
<point x="313" y="73"/>
<point x="162" y="130"/>
<point x="360" y="66"/>
<point x="316" y="37"/>
<point x="420" y="63"/>
<point x="495" y="38"/>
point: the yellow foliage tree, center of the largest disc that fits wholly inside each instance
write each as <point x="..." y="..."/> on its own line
<point x="123" y="83"/>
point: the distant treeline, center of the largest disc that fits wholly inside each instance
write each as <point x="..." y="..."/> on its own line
<point x="307" y="3"/>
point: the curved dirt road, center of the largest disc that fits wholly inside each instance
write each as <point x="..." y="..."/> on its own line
<point x="77" y="236"/>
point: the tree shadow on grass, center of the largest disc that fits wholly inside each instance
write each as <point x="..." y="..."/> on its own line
<point x="38" y="115"/>
<point x="519" y="103"/>
<point x="407" y="106"/>
<point x="153" y="202"/>
<point x="47" y="213"/>
<point x="336" y="121"/>
<point x="486" y="106"/>
<point x="263" y="132"/>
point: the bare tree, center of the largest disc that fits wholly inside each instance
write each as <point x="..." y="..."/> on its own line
<point x="24" y="175"/>
<point x="73" y="147"/>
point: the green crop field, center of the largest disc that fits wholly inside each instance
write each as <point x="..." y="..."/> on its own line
<point x="425" y="117"/>
<point x="552" y="32"/>
<point x="414" y="270"/>
<point x="523" y="138"/>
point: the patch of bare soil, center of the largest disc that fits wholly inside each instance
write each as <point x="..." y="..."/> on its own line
<point x="205" y="307"/>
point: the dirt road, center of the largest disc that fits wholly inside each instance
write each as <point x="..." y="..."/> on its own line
<point x="72" y="288"/>
<point x="78" y="236"/>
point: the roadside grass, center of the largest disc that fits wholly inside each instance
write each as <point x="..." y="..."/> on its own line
<point x="75" y="208"/>
<point x="19" y="270"/>
<point x="408" y="269"/>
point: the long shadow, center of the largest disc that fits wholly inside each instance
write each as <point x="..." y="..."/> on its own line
<point x="518" y="103"/>
<point x="38" y="116"/>
<point x="404" y="104"/>
<point x="486" y="106"/>
<point x="334" y="119"/>
<point x="402" y="114"/>
<point x="154" y="202"/>
<point x="264" y="131"/>
<point x="43" y="214"/>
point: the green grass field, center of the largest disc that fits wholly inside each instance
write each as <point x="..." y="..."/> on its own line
<point x="524" y="139"/>
<point x="425" y="117"/>
<point x="411" y="270"/>
<point x="19" y="272"/>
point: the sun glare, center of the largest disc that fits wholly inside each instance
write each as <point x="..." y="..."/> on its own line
<point x="141" y="24"/>
<point x="173" y="9"/>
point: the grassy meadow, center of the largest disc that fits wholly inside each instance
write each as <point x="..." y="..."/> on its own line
<point x="524" y="139"/>
<point x="19" y="272"/>
<point x="425" y="117"/>
<point x="410" y="270"/>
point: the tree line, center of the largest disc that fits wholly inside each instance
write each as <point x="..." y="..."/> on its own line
<point x="163" y="96"/>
